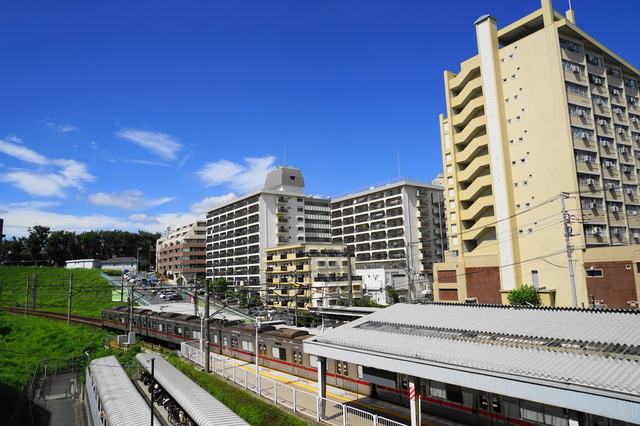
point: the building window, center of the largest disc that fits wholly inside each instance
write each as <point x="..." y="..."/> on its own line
<point x="594" y="273"/>
<point x="594" y="60"/>
<point x="570" y="46"/>
<point x="613" y="72"/>
<point x="534" y="279"/>
<point x="629" y="82"/>
<point x="576" y="89"/>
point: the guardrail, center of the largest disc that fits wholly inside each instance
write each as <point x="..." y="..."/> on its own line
<point x="298" y="401"/>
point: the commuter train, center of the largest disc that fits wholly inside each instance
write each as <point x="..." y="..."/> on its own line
<point x="282" y="349"/>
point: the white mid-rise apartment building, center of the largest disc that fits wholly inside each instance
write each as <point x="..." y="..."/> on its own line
<point x="397" y="231"/>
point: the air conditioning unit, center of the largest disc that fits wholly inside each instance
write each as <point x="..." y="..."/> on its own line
<point x="636" y="236"/>
<point x="635" y="120"/>
<point x="581" y="113"/>
<point x="595" y="230"/>
<point x="597" y="81"/>
<point x="599" y="101"/>
<point x="604" y="144"/>
<point x="613" y="209"/>
<point x="636" y="138"/>
<point x="575" y="68"/>
<point x="629" y="191"/>
<point x="591" y="182"/>
<point x="587" y="159"/>
<point x="584" y="135"/>
<point x="623" y="150"/>
<point x="593" y="205"/>
<point x="609" y="186"/>
<point x="626" y="169"/>
<point x="620" y="131"/>
<point x="618" y="111"/>
<point x="608" y="164"/>
<point x="602" y="122"/>
<point x="632" y="101"/>
<point x="616" y="233"/>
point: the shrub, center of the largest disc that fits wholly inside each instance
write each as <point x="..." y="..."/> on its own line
<point x="524" y="295"/>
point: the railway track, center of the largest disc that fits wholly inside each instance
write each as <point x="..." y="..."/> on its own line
<point x="74" y="319"/>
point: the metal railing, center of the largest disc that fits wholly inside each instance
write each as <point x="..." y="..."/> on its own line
<point x="305" y="403"/>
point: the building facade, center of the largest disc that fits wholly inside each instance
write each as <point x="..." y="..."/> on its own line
<point x="541" y="152"/>
<point x="181" y="251"/>
<point x="279" y="214"/>
<point x="396" y="231"/>
<point x="301" y="276"/>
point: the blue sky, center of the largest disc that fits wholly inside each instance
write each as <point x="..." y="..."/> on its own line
<point x="135" y="115"/>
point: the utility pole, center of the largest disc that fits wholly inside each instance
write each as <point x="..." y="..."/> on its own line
<point x="566" y="220"/>
<point x="26" y="297"/>
<point x="69" y="302"/>
<point x="349" y="278"/>
<point x="206" y="325"/>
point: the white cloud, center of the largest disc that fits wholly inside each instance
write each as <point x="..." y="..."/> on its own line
<point x="143" y="218"/>
<point x="61" y="128"/>
<point x="22" y="153"/>
<point x="159" y="143"/>
<point x="52" y="176"/>
<point x="236" y="176"/>
<point x="127" y="200"/>
<point x="203" y="206"/>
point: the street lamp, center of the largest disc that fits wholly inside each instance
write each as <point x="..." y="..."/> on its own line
<point x="137" y="260"/>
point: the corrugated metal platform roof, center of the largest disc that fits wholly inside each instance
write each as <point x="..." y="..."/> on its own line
<point x="203" y="408"/>
<point x="590" y="348"/>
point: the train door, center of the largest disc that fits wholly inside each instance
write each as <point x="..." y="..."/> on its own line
<point x="296" y="362"/>
<point x="489" y="408"/>
<point x="342" y="374"/>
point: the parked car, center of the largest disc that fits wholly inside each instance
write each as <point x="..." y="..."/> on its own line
<point x="174" y="297"/>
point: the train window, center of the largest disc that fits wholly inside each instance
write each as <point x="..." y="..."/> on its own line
<point x="234" y="342"/>
<point x="263" y="349"/>
<point x="179" y="331"/>
<point x="531" y="411"/>
<point x="169" y="328"/>
<point x="144" y="323"/>
<point x="339" y="368"/>
<point x="279" y="353"/>
<point x="121" y="319"/>
<point x="454" y="394"/>
<point x="345" y="369"/>
<point x="438" y="390"/>
<point x="154" y="325"/>
<point x="135" y="321"/>
<point x="187" y="332"/>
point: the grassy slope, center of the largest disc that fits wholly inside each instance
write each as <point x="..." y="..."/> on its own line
<point x="90" y="291"/>
<point x="26" y="341"/>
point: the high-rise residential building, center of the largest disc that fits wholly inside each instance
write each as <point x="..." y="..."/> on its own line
<point x="541" y="152"/>
<point x="277" y="215"/>
<point x="396" y="231"/>
<point x="181" y="251"/>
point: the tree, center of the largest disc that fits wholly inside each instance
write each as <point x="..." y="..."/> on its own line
<point x="392" y="294"/>
<point x="220" y="285"/>
<point x="60" y="246"/>
<point x="36" y="241"/>
<point x="13" y="249"/>
<point x="524" y="295"/>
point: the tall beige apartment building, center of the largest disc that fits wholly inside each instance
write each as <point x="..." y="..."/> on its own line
<point x="541" y="156"/>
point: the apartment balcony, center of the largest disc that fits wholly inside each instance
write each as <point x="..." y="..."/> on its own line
<point x="282" y="200"/>
<point x="378" y="235"/>
<point x="283" y="240"/>
<point x="423" y="213"/>
<point x="397" y="212"/>
<point x="303" y="268"/>
<point x="281" y="220"/>
<point x="348" y="221"/>
<point x="281" y="230"/>
<point x="394" y="234"/>
<point x="360" y="238"/>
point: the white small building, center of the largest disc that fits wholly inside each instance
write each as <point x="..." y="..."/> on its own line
<point x="83" y="264"/>
<point x="121" y="263"/>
